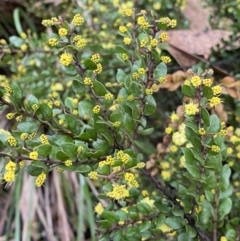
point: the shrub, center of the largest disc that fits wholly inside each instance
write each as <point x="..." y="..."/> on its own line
<point x="84" y="112"/>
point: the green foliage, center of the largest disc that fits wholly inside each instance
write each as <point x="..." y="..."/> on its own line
<point x="81" y="106"/>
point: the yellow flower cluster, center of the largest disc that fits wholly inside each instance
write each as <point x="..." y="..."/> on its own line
<point x="124" y="157"/>
<point x="124" y="57"/>
<point x="78" y="20"/>
<point x="23" y="136"/>
<point x="207" y="82"/>
<point x="12" y="141"/>
<point x="196" y="81"/>
<point x="44" y="139"/>
<point x="118" y="192"/>
<point x="130" y="178"/>
<point x="93" y="175"/>
<point x="165" y="59"/>
<point x="122" y="29"/>
<point x="99" y="209"/>
<point x="163" y="36"/>
<point x="173" y="148"/>
<point x="165" y="175"/>
<point x="32" y="136"/>
<point x="223" y="238"/>
<point x="9" y="175"/>
<point x="126" y="12"/>
<point x="21" y="164"/>
<point x="170" y="22"/>
<point x="98" y="70"/>
<point x="117" y="124"/>
<point x="201" y="131"/>
<point x="35" y="107"/>
<point x="168" y="130"/>
<point x="143" y="22"/>
<point x="10" y="116"/>
<point x="135" y="75"/>
<point x="149" y="91"/>
<point x="119" y="99"/>
<point x="81" y="43"/>
<point x="215" y="148"/>
<point x="127" y="40"/>
<point x="68" y="163"/>
<point x="23" y="47"/>
<point x="33" y="155"/>
<point x="96" y="109"/>
<point x="130" y="98"/>
<point x="53" y="42"/>
<point x="140" y="165"/>
<point x="95" y="58"/>
<point x="217" y="89"/>
<point x="153" y="42"/>
<point x="143" y="42"/>
<point x="40" y="179"/>
<point x="214" y="101"/>
<point x="8" y="89"/>
<point x="174" y="117"/>
<point x="66" y="59"/>
<point x="179" y="138"/>
<point x="47" y="22"/>
<point x="108" y="96"/>
<point x="80" y="149"/>
<point x="87" y="81"/>
<point x="191" y="108"/>
<point x="162" y="80"/>
<point x="62" y="32"/>
<point x="141" y="71"/>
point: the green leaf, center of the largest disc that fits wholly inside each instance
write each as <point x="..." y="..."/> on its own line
<point x="121" y="76"/>
<point x="16" y="41"/>
<point x="16" y="92"/>
<point x="44" y="150"/>
<point x="104" y="223"/>
<point x="88" y="133"/>
<point x="183" y="237"/>
<point x="122" y="215"/>
<point x="191" y="232"/>
<point x="231" y="234"/>
<point x="160" y="220"/>
<point x="110" y="216"/>
<point x="28" y="127"/>
<point x="144" y="226"/>
<point x="69" y="103"/>
<point x="99" y="88"/>
<point x="69" y="70"/>
<point x="85" y="108"/>
<point x="143" y="207"/>
<point x="128" y="82"/>
<point x="205" y="117"/>
<point x="160" y="71"/>
<point x="62" y="156"/>
<point x="224" y="208"/>
<point x="39" y="164"/>
<point x="128" y="123"/>
<point x="120" y="49"/>
<point x="207" y="92"/>
<point x="71" y="123"/>
<point x="130" y="231"/>
<point x="224" y="194"/>
<point x="146" y="131"/>
<point x="32" y="100"/>
<point x="45" y="111"/>
<point x="176" y="211"/>
<point x="175" y="222"/>
<point x="89" y="64"/>
<point x="224" y="177"/>
<point x="79" y="88"/>
<point x="32" y="170"/>
<point x="118" y="236"/>
<point x="188" y="91"/>
<point x="82" y="168"/>
<point x="101" y="145"/>
<point x="70" y="149"/>
<point x="215" y="124"/>
<point x="193" y="138"/>
<point x="191" y="163"/>
<point x="150" y="105"/>
<point x="191" y="125"/>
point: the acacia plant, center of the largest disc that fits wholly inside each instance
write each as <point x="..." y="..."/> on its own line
<point x="91" y="119"/>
